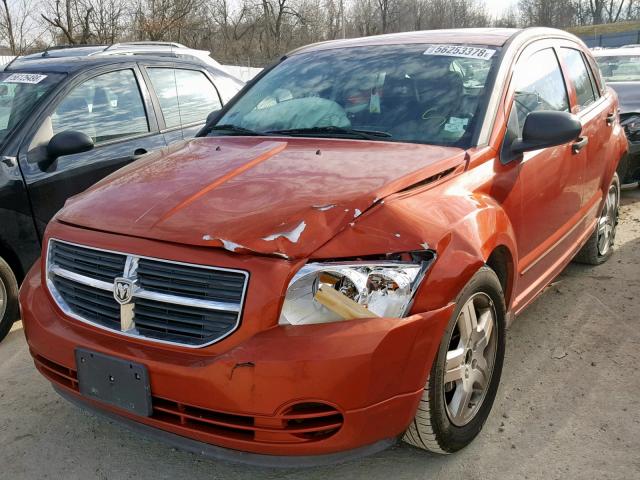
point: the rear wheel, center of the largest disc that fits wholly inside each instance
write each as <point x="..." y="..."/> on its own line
<point x="464" y="378"/>
<point x="8" y="299"/>
<point x="599" y="247"/>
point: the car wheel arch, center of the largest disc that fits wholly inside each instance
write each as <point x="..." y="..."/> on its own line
<point x="501" y="261"/>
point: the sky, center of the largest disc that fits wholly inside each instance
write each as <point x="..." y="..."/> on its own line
<point x="496" y="7"/>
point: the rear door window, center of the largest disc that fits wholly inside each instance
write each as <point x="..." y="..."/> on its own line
<point x="186" y="96"/>
<point x="105" y="107"/>
<point x="579" y="75"/>
<point x="539" y="85"/>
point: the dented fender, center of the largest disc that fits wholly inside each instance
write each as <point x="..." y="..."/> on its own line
<point x="463" y="230"/>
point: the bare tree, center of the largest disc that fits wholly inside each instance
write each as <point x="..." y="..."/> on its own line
<point x="71" y="18"/>
<point x="160" y="19"/>
<point x="258" y="31"/>
<point x="276" y="14"/>
<point x="17" y="26"/>
<point x="550" y="13"/>
<point x="105" y="19"/>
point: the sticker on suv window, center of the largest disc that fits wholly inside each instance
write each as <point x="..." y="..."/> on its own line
<point x="460" y="51"/>
<point x="32" y="78"/>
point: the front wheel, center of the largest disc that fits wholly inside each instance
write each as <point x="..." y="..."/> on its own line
<point x="464" y="378"/>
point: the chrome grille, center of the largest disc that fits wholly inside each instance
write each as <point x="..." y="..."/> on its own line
<point x="93" y="263"/>
<point x="171" y="302"/>
<point x="178" y="323"/>
<point x="92" y="303"/>
<point x="188" y="281"/>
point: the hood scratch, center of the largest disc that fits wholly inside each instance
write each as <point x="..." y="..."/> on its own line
<point x="293" y="236"/>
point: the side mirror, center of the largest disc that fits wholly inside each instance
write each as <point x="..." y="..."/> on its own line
<point x="68" y="142"/>
<point x="212" y="115"/>
<point x="547" y="128"/>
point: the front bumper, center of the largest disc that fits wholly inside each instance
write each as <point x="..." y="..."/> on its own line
<point x="363" y="379"/>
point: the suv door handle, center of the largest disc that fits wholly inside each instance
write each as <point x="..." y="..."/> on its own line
<point x="579" y="144"/>
<point x="611" y="118"/>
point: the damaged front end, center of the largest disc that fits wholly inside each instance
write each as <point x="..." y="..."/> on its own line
<point x="323" y="292"/>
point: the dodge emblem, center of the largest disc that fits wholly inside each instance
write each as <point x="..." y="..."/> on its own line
<point x="123" y="290"/>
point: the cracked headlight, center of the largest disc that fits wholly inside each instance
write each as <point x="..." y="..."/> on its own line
<point x="329" y="292"/>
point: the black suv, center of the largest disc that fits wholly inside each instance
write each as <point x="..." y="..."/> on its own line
<point x="65" y="123"/>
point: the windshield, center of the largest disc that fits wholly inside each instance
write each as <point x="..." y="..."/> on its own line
<point x="427" y="94"/>
<point x="19" y="93"/>
<point x="623" y="68"/>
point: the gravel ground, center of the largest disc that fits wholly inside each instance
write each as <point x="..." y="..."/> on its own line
<point x="568" y="405"/>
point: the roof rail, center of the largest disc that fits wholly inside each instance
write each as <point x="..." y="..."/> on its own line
<point x="147" y="44"/>
<point x="77" y="45"/>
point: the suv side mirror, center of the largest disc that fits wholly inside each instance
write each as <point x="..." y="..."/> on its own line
<point x="547" y="128"/>
<point x="68" y="142"/>
<point x="212" y="115"/>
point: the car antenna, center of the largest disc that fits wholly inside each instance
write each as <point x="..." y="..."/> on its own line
<point x="175" y="83"/>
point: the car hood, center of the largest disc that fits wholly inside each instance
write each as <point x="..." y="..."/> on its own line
<point x="267" y="195"/>
<point x="628" y="96"/>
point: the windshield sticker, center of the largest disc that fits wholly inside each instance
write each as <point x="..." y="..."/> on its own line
<point x="459" y="51"/>
<point x="31" y="78"/>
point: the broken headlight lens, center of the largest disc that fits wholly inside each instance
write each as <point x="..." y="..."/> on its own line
<point x="330" y="292"/>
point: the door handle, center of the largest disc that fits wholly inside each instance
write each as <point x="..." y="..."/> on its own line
<point x="138" y="153"/>
<point x="611" y="118"/>
<point x="579" y="144"/>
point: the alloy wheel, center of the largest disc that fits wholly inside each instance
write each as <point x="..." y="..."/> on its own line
<point x="608" y="221"/>
<point x="470" y="359"/>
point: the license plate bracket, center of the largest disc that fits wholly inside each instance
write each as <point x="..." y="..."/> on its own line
<point x="114" y="381"/>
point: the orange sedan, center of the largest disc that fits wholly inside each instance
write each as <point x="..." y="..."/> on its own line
<point x="331" y="265"/>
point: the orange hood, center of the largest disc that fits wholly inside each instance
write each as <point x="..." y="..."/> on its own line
<point x="268" y="195"/>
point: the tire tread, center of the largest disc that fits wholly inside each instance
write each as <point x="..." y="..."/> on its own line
<point x="420" y="433"/>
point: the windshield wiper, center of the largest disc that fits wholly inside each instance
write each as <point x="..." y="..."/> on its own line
<point x="235" y="129"/>
<point x="333" y="130"/>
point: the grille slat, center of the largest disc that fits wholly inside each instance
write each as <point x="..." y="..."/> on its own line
<point x="92" y="295"/>
<point x="217" y="294"/>
<point x="190" y="282"/>
<point x="94" y="304"/>
<point x="95" y="263"/>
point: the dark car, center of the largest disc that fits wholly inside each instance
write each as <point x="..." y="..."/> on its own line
<point x="65" y="123"/>
<point x="620" y="68"/>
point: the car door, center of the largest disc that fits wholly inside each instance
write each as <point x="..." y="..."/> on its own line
<point x="550" y="180"/>
<point x="597" y="115"/>
<point x="113" y="107"/>
<point x="185" y="96"/>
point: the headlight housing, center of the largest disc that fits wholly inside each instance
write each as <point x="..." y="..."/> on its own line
<point x="333" y="291"/>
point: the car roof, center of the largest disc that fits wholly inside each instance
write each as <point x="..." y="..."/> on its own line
<point x="617" y="52"/>
<point x="492" y="37"/>
<point x="75" y="64"/>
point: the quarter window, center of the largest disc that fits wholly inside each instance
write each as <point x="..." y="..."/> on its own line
<point x="579" y="75"/>
<point x="106" y="107"/>
<point x="186" y="96"/>
<point x="539" y="85"/>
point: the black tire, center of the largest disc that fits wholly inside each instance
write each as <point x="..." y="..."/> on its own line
<point x="9" y="309"/>
<point x="432" y="428"/>
<point x="592" y="253"/>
